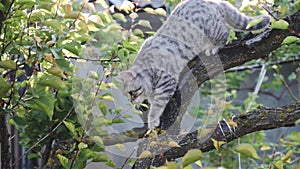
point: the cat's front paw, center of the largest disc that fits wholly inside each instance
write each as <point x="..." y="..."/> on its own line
<point x="211" y="51"/>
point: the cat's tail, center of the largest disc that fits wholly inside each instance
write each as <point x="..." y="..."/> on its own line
<point x="239" y="21"/>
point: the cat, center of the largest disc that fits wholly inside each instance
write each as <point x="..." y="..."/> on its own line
<point x="194" y="28"/>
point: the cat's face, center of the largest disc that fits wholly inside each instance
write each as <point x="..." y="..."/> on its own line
<point x="133" y="86"/>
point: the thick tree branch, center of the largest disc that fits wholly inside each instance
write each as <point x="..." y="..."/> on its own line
<point x="259" y="119"/>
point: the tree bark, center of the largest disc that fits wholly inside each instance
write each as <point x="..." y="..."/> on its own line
<point x="259" y="119"/>
<point x="4" y="144"/>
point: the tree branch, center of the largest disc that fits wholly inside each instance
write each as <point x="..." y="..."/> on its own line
<point x="259" y="119"/>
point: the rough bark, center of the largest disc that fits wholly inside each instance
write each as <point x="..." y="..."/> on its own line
<point x="259" y="119"/>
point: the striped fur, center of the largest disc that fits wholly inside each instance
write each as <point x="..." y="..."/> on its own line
<point x="195" y="27"/>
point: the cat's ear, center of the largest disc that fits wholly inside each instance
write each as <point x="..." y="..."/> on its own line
<point x="125" y="75"/>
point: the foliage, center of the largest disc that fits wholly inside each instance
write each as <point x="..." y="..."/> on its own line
<point x="41" y="93"/>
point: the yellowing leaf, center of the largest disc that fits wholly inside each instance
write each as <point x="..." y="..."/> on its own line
<point x="120" y="147"/>
<point x="49" y="57"/>
<point x="108" y="97"/>
<point x="191" y="156"/>
<point x="173" y="144"/>
<point x="151" y="133"/>
<point x="96" y="19"/>
<point x="289" y="39"/>
<point x="67" y="8"/>
<point x="287" y="156"/>
<point x="8" y="64"/>
<point x="64" y="161"/>
<point x="145" y="154"/>
<point x="202" y="132"/>
<point x="280" y="24"/>
<point x="72" y="15"/>
<point x="247" y="150"/>
<point x="145" y="23"/>
<point x="254" y="22"/>
<point x="279" y="164"/>
<point x="231" y="123"/>
<point x="55" y="70"/>
<point x="127" y="6"/>
<point x="91" y="27"/>
<point x="217" y="144"/>
<point x="160" y="11"/>
<point x="265" y="148"/>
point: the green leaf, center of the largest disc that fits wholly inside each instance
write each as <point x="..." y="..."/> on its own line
<point x="130" y="46"/>
<point x="55" y="24"/>
<point x="254" y="22"/>
<point x="280" y="24"/>
<point x="294" y="136"/>
<point x="100" y="158"/>
<point x="98" y="140"/>
<point x="292" y="76"/>
<point x="94" y="75"/>
<point x="44" y="103"/>
<point x="297" y="4"/>
<point x="82" y="146"/>
<point x="145" y="23"/>
<point x="8" y="64"/>
<point x="73" y="47"/>
<point x="52" y="81"/>
<point x="33" y="155"/>
<point x="40" y="15"/>
<point x="2" y="7"/>
<point x="64" y="161"/>
<point x="120" y="16"/>
<point x="289" y="39"/>
<point x="191" y="156"/>
<point x="71" y="127"/>
<point x="4" y="87"/>
<point x="247" y="150"/>
<point x="102" y="106"/>
<point x="19" y="122"/>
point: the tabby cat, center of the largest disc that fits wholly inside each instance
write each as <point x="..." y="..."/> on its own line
<point x="194" y="28"/>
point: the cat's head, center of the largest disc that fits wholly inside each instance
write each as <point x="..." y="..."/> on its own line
<point x="133" y="86"/>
